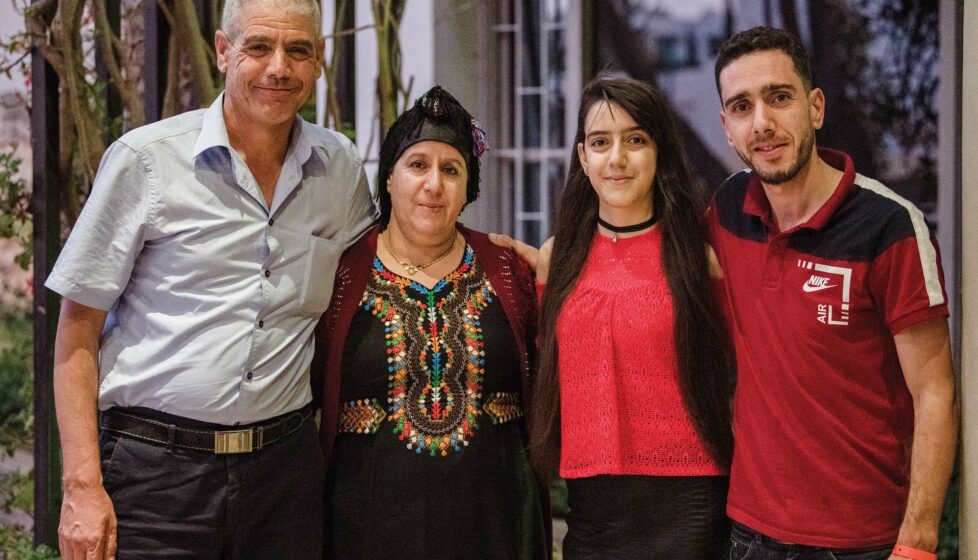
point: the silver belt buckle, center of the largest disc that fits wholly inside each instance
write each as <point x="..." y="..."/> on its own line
<point x="238" y="441"/>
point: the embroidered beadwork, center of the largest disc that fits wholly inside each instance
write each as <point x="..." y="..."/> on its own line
<point x="503" y="407"/>
<point x="362" y="416"/>
<point x="435" y="353"/>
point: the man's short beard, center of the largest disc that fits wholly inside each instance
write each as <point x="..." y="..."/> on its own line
<point x="802" y="158"/>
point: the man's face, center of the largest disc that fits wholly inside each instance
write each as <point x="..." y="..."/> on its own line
<point x="769" y="117"/>
<point x="271" y="64"/>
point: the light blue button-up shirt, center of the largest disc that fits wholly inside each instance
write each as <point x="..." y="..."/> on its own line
<point x="212" y="294"/>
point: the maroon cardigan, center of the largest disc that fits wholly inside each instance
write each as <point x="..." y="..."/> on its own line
<point x="511" y="279"/>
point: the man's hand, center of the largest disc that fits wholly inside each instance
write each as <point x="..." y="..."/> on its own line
<point x="88" y="524"/>
<point x="537" y="259"/>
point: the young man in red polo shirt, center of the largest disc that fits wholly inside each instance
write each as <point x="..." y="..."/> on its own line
<point x="845" y="414"/>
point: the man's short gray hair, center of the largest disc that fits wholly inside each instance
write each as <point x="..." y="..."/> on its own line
<point x="306" y="8"/>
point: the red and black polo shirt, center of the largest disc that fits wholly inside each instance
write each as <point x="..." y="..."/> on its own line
<point x="822" y="414"/>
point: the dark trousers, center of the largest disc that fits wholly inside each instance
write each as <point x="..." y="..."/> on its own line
<point x="183" y="504"/>
<point x="747" y="544"/>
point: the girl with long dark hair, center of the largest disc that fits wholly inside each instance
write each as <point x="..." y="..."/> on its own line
<point x="631" y="405"/>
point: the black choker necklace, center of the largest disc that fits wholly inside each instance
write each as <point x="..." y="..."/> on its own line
<point x="615" y="230"/>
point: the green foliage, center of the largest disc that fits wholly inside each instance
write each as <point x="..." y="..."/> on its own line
<point x="558" y="498"/>
<point x="16" y="381"/>
<point x="949" y="536"/>
<point x="14" y="51"/>
<point x="308" y="110"/>
<point x="111" y="126"/>
<point x="17" y="544"/>
<point x="16" y="491"/>
<point x="16" y="221"/>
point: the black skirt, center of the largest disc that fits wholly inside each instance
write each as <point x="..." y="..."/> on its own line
<point x="646" y="518"/>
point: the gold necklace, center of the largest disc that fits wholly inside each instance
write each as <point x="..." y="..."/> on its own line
<point x="413" y="269"/>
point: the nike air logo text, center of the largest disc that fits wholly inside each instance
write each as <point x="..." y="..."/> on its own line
<point x="816" y="283"/>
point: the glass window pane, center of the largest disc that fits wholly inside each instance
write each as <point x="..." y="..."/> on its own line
<point x="555" y="88"/>
<point x="555" y="10"/>
<point x="531" y="43"/>
<point x="555" y="184"/>
<point x="530" y="232"/>
<point x="531" y="121"/>
<point x="501" y="132"/>
<point x="531" y="187"/>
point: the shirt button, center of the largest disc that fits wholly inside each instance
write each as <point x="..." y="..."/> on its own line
<point x="249" y="376"/>
<point x="267" y="273"/>
<point x="261" y="324"/>
<point x="271" y="221"/>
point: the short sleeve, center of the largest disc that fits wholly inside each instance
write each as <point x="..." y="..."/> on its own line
<point x="907" y="282"/>
<point x="95" y="265"/>
<point x="363" y="212"/>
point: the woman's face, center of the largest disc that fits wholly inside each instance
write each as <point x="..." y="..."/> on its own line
<point x="619" y="158"/>
<point x="427" y="188"/>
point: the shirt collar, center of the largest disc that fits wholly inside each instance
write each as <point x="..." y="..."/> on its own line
<point x="214" y="134"/>
<point x="757" y="204"/>
<point x="213" y="131"/>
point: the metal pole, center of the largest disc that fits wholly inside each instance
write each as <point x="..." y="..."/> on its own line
<point x="46" y="208"/>
<point x="156" y="35"/>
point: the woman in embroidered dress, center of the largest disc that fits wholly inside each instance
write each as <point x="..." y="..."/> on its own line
<point x="425" y="367"/>
<point x="632" y="403"/>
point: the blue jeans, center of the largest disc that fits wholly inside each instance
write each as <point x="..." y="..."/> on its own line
<point x="746" y="544"/>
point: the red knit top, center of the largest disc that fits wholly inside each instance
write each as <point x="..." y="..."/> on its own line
<point x="622" y="411"/>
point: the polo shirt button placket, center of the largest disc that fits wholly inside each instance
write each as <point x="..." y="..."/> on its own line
<point x="773" y="268"/>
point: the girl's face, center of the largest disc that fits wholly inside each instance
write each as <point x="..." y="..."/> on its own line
<point x="619" y="158"/>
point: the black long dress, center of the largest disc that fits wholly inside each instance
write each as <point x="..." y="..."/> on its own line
<point x="429" y="459"/>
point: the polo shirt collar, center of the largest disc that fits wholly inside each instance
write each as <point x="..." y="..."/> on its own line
<point x="757" y="204"/>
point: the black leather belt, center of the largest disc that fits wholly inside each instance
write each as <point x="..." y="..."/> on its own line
<point x="223" y="441"/>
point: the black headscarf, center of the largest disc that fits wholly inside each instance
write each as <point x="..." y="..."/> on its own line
<point x="437" y="116"/>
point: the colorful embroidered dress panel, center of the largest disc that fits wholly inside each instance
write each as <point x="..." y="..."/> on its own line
<point x="435" y="353"/>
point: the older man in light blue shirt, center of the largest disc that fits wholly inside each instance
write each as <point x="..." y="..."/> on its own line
<point x="192" y="283"/>
<point x="208" y="286"/>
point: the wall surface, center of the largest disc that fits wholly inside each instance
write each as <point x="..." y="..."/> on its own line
<point x="417" y="64"/>
<point x="461" y="68"/>
<point x="969" y="286"/>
